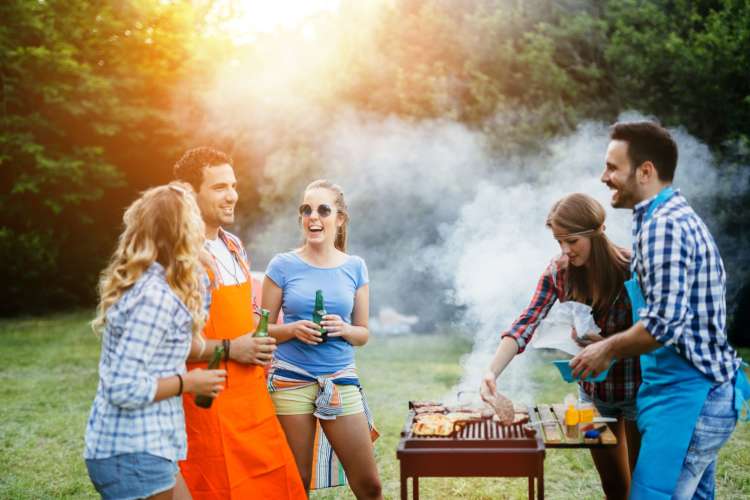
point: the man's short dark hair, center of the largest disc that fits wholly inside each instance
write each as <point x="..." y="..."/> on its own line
<point x="648" y="141"/>
<point x="190" y="167"/>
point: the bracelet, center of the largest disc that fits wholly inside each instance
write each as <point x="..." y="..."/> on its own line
<point x="226" y="343"/>
<point x="179" y="377"/>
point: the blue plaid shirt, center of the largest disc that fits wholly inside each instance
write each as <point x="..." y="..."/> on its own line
<point x="147" y="336"/>
<point x="683" y="281"/>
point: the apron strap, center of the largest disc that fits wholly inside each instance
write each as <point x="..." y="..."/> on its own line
<point x="742" y="394"/>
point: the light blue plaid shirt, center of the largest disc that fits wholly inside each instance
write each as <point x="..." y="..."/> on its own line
<point x="147" y="336"/>
<point x="683" y="281"/>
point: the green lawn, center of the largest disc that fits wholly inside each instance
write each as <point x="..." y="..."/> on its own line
<point x="48" y="379"/>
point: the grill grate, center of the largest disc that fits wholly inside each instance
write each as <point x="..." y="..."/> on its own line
<point x="481" y="430"/>
<point x="485" y="433"/>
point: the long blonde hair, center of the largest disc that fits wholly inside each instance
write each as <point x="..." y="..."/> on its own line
<point x="601" y="280"/>
<point x="164" y="225"/>
<point x="341" y="234"/>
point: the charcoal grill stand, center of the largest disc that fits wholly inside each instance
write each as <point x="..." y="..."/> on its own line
<point x="479" y="450"/>
<point x="470" y="463"/>
<point x="486" y="449"/>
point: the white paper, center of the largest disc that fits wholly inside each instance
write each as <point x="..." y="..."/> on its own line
<point x="554" y="332"/>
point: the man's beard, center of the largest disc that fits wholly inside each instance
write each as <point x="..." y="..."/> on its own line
<point x="625" y="194"/>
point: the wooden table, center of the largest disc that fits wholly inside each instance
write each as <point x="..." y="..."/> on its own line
<point x="551" y="420"/>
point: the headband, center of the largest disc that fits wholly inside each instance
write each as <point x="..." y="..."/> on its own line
<point x="599" y="230"/>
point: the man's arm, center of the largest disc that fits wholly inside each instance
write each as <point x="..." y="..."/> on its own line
<point x="596" y="358"/>
<point x="243" y="349"/>
<point x="666" y="277"/>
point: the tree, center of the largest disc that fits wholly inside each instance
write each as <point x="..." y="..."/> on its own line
<point x="85" y="97"/>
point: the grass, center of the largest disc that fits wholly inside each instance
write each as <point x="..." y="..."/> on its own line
<point x="48" y="376"/>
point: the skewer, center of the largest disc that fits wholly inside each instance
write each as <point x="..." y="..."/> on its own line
<point x="542" y="422"/>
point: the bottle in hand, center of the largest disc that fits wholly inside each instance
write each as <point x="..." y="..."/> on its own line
<point x="262" y="330"/>
<point x="206" y="401"/>
<point x="319" y="312"/>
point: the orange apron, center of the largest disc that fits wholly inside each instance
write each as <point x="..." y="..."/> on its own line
<point x="237" y="448"/>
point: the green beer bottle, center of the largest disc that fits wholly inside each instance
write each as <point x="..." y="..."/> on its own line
<point x="319" y="312"/>
<point x="200" y="399"/>
<point x="262" y="330"/>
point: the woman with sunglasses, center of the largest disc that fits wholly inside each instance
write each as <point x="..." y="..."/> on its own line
<point x="591" y="270"/>
<point x="314" y="377"/>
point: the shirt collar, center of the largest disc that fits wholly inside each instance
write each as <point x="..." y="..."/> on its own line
<point x="227" y="241"/>
<point x="641" y="207"/>
<point x="156" y="268"/>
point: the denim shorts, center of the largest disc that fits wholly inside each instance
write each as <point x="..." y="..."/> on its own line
<point x="615" y="409"/>
<point x="131" y="475"/>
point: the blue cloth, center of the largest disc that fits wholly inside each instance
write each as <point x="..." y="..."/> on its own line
<point x="742" y="394"/>
<point x="147" y="336"/>
<point x="715" y="424"/>
<point x="671" y="395"/>
<point x="669" y="403"/>
<point x="131" y="475"/>
<point x="683" y="278"/>
<point x="298" y="281"/>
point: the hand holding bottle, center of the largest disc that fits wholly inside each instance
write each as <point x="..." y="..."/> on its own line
<point x="306" y="331"/>
<point x="250" y="349"/>
<point x="335" y="325"/>
<point x="204" y="382"/>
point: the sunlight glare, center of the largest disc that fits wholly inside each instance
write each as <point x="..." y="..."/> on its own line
<point x="242" y="20"/>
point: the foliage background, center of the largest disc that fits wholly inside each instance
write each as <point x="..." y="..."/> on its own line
<point x="99" y="98"/>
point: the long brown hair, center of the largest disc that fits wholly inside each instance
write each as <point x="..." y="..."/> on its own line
<point x="341" y="235"/>
<point x="164" y="225"/>
<point x="601" y="280"/>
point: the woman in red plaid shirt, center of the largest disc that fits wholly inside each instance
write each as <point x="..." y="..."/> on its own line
<point x="590" y="270"/>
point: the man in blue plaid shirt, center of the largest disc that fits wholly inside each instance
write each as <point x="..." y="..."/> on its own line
<point x="686" y="404"/>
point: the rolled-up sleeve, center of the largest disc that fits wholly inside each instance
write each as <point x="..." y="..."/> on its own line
<point x="127" y="382"/>
<point x="665" y="274"/>
<point x="545" y="295"/>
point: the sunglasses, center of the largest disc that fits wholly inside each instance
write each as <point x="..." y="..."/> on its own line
<point x="323" y="210"/>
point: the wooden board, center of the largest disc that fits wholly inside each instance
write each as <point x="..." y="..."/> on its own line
<point x="550" y="426"/>
<point x="551" y="420"/>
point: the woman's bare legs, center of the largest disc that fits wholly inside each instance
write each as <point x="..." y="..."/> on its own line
<point x="300" y="434"/>
<point x="180" y="490"/>
<point x="350" y="439"/>
<point x="613" y="464"/>
<point x="633" y="437"/>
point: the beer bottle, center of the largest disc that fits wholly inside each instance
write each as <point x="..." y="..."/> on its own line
<point x="319" y="312"/>
<point x="262" y="330"/>
<point x="206" y="401"/>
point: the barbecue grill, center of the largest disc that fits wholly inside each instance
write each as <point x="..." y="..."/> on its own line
<point x="479" y="449"/>
<point x="485" y="448"/>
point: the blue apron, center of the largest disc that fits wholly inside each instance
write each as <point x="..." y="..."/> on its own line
<point x="669" y="402"/>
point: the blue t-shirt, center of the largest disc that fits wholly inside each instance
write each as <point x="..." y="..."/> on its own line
<point x="298" y="281"/>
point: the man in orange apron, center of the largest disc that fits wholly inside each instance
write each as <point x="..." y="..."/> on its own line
<point x="236" y="448"/>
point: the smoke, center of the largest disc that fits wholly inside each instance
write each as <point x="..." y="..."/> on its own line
<point x="451" y="231"/>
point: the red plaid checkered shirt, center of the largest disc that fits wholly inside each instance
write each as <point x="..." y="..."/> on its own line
<point x="624" y="377"/>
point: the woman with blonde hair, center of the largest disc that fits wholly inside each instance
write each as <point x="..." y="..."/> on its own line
<point x="591" y="270"/>
<point x="314" y="376"/>
<point x="152" y="302"/>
